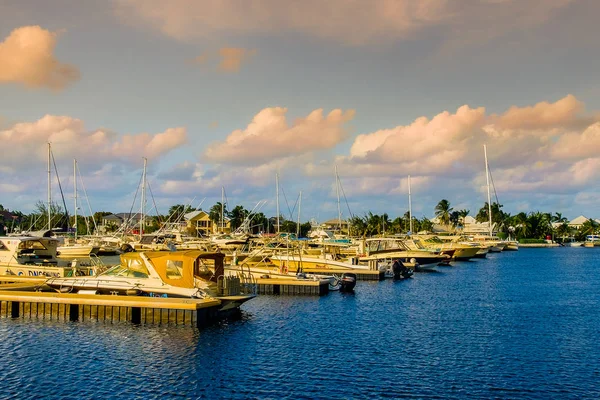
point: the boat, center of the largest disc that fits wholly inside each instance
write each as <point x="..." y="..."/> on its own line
<point x="395" y="249"/>
<point x="184" y="274"/>
<point x="37" y="256"/>
<point x="592" y="241"/>
<point x="77" y="250"/>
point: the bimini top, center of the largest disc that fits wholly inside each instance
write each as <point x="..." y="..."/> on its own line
<point x="176" y="268"/>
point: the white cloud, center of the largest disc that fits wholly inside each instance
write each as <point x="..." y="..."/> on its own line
<point x="26" y="57"/>
<point x="270" y="136"/>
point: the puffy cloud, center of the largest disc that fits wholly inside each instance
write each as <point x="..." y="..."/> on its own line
<point x="270" y="136"/>
<point x="348" y="21"/>
<point x="543" y="115"/>
<point x="550" y="147"/>
<point x="26" y="57"/>
<point x="28" y="143"/>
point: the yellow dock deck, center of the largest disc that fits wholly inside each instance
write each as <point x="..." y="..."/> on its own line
<point x="80" y="307"/>
<point x="292" y="286"/>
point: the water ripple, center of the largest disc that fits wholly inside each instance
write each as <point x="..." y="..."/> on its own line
<point x="516" y="325"/>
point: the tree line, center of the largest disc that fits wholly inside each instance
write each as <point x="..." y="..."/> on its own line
<point x="531" y="225"/>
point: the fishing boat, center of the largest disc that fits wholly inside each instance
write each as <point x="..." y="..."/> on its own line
<point x="187" y="274"/>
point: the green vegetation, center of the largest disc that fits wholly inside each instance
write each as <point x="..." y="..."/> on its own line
<point x="533" y="227"/>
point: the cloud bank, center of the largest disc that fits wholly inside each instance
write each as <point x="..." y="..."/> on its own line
<point x="550" y="147"/>
<point x="70" y="139"/>
<point x="27" y="57"/>
<point x="353" y="22"/>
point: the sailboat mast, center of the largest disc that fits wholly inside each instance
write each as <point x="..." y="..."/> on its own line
<point x="337" y="189"/>
<point x="410" y="221"/>
<point x="49" y="188"/>
<point x="299" y="205"/>
<point x="75" y="192"/>
<point x="487" y="178"/>
<point x="222" y="209"/>
<point x="143" y="217"/>
<point x="277" y="189"/>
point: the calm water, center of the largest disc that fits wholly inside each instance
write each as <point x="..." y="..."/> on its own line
<point x="517" y="325"/>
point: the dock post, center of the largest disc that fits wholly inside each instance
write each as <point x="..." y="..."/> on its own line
<point x="14" y="309"/>
<point x="201" y="317"/>
<point x="73" y="312"/>
<point x="136" y="315"/>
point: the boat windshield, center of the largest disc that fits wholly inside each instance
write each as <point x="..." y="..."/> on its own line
<point x="131" y="268"/>
<point x="31" y="245"/>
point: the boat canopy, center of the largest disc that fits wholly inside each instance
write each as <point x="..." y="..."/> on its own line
<point x="178" y="268"/>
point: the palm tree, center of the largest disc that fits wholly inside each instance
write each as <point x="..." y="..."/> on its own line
<point x="217" y="212"/>
<point x="443" y="211"/>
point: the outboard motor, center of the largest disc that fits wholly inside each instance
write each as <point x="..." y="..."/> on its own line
<point x="347" y="282"/>
<point x="400" y="270"/>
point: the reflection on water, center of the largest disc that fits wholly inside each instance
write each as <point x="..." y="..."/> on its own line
<point x="516" y="325"/>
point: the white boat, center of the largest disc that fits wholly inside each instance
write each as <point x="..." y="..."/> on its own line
<point x="77" y="250"/>
<point x="35" y="256"/>
<point x="192" y="273"/>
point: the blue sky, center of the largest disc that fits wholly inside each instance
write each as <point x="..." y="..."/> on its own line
<point x="224" y="94"/>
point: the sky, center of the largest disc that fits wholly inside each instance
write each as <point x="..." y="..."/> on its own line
<point x="227" y="94"/>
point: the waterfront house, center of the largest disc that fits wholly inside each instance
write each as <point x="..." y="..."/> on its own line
<point x="199" y="222"/>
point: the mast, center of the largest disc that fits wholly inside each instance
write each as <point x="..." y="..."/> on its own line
<point x="49" y="188"/>
<point x="142" y="217"/>
<point x="410" y="221"/>
<point x="337" y="190"/>
<point x="75" y="191"/>
<point x="222" y="209"/>
<point x="277" y="189"/>
<point x="487" y="178"/>
<point x="299" y="205"/>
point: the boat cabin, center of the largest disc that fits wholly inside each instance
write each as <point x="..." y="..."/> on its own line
<point x="384" y="245"/>
<point x="28" y="250"/>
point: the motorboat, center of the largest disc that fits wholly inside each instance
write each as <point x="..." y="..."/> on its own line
<point x="188" y="274"/>
<point x="395" y="249"/>
<point x="36" y="256"/>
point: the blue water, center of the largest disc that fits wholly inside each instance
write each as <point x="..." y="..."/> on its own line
<point x="516" y="325"/>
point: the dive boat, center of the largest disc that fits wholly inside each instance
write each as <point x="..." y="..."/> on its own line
<point x="188" y="274"/>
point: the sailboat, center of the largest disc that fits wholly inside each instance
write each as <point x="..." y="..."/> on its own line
<point x="492" y="242"/>
<point x="72" y="247"/>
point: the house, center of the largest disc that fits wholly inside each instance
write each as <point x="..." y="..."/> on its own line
<point x="577" y="222"/>
<point x="129" y="221"/>
<point x="199" y="222"/>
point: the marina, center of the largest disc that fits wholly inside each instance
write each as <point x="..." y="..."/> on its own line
<point x="462" y="331"/>
<point x="299" y="200"/>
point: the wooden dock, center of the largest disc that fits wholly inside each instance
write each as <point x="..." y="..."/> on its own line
<point x="276" y="286"/>
<point x="107" y="308"/>
<point x="361" y="274"/>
